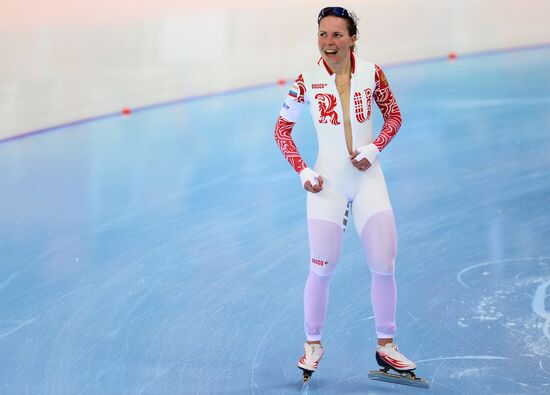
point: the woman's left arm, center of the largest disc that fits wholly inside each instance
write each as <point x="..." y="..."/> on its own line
<point x="389" y="108"/>
<point x="365" y="156"/>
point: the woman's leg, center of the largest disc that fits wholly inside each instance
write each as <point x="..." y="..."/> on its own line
<point x="325" y="238"/>
<point x="379" y="239"/>
<point x="375" y="224"/>
<point x="326" y="213"/>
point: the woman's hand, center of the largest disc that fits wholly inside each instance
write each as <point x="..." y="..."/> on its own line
<point x="318" y="187"/>
<point x="311" y="180"/>
<point x="360" y="163"/>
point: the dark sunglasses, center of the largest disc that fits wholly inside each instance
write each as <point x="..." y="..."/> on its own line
<point x="337" y="11"/>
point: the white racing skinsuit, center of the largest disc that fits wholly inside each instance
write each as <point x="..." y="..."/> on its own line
<point x="344" y="185"/>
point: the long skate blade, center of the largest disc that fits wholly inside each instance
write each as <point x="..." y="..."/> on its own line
<point x="305" y="388"/>
<point x="307" y="377"/>
<point x="398" y="379"/>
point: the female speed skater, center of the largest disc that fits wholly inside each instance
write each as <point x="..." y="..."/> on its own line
<point x="339" y="91"/>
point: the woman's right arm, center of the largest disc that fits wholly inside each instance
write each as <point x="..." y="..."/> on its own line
<point x="292" y="109"/>
<point x="283" y="137"/>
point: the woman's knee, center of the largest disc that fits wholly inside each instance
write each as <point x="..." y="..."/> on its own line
<point x="379" y="237"/>
<point x="325" y="239"/>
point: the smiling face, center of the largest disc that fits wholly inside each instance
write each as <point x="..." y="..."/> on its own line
<point x="334" y="41"/>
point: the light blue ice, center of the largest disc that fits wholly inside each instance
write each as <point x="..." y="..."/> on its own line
<point x="166" y="252"/>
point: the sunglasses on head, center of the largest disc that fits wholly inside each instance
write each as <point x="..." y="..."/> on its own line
<point x="337" y="11"/>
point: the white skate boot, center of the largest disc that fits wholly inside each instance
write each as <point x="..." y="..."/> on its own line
<point x="311" y="358"/>
<point x="389" y="357"/>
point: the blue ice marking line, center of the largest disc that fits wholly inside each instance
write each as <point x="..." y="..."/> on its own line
<point x="135" y="110"/>
<point x="466" y="55"/>
<point x="260" y="86"/>
<point x="539" y="306"/>
<point x="58" y="127"/>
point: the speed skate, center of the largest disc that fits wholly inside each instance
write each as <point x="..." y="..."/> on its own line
<point x="310" y="360"/>
<point x="389" y="358"/>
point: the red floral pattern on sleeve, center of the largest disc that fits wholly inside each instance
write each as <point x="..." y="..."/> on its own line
<point x="390" y="111"/>
<point x="283" y="130"/>
<point x="298" y="89"/>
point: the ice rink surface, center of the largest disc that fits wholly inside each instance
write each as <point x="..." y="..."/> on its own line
<point x="166" y="252"/>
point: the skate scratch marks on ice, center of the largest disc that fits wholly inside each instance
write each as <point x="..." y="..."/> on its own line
<point x="8" y="280"/>
<point x="437" y="371"/>
<point x="459" y="276"/>
<point x="485" y="357"/>
<point x="158" y="375"/>
<point x="463" y="271"/>
<point x="539" y="306"/>
<point x="24" y="324"/>
<point x="348" y="379"/>
<point x="413" y="317"/>
<point x="542" y="368"/>
<point x="263" y="339"/>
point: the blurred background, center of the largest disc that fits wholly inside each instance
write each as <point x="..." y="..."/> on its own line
<point x="64" y="60"/>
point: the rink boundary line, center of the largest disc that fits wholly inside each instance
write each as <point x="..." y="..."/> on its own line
<point x="232" y="91"/>
<point x="473" y="54"/>
<point x="114" y="114"/>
